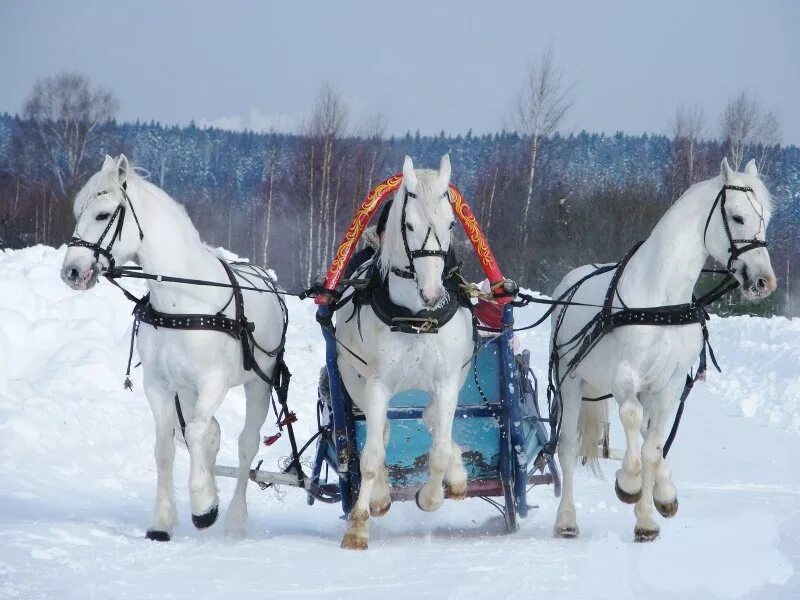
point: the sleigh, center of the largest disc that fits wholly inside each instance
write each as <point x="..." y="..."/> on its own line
<point x="497" y="423"/>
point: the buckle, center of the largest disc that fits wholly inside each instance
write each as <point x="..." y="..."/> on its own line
<point x="414" y="325"/>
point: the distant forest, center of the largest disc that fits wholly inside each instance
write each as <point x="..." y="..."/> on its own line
<point x="285" y="200"/>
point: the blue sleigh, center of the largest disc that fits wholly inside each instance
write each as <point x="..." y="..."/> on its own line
<point x="497" y="423"/>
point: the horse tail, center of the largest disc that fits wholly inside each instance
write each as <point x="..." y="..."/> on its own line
<point x="591" y="433"/>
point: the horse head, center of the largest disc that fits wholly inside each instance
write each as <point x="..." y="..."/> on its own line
<point x="103" y="235"/>
<point x="419" y="232"/>
<point x="736" y="228"/>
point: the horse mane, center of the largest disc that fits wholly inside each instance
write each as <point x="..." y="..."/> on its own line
<point x="431" y="203"/>
<point x="137" y="179"/>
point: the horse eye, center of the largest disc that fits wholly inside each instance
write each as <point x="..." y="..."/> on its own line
<point x="409" y="227"/>
<point x="738" y="220"/>
<point x="452" y="224"/>
<point x="102" y="216"/>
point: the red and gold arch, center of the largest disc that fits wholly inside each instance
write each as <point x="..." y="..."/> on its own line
<point x="370" y="205"/>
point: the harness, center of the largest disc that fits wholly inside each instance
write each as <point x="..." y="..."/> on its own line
<point x="411" y="272"/>
<point x="117" y="216"/>
<point x="237" y="327"/>
<point x="611" y="317"/>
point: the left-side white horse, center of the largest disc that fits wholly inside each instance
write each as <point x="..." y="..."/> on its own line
<point x="645" y="366"/>
<point x="198" y="366"/>
<point x="411" y="259"/>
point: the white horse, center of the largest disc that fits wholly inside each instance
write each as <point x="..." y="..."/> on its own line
<point x="198" y="366"/>
<point x="645" y="367"/>
<point x="411" y="259"/>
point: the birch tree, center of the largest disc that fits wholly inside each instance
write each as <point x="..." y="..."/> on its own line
<point x="66" y="117"/>
<point x="746" y="127"/>
<point x="540" y="107"/>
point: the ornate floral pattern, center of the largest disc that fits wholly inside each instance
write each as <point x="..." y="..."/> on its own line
<point x="367" y="209"/>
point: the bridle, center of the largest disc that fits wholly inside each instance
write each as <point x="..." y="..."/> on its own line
<point x="735" y="250"/>
<point x="117" y="216"/>
<point x="411" y="272"/>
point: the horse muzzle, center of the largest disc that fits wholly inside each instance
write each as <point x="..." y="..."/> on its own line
<point x="756" y="286"/>
<point x="78" y="277"/>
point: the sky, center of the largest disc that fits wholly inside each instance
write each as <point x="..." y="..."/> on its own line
<point x="427" y="66"/>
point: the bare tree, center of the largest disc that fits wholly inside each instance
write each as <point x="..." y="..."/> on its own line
<point x="686" y="159"/>
<point x="540" y="107"/>
<point x="745" y="125"/>
<point x="66" y="116"/>
<point x="324" y="128"/>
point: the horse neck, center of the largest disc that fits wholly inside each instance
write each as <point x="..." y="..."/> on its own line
<point x="666" y="267"/>
<point x="172" y="246"/>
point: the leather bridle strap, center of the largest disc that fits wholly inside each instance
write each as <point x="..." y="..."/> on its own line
<point x="411" y="255"/>
<point x="118" y="217"/>
<point x="734" y="249"/>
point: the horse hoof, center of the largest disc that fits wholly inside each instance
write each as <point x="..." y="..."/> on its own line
<point x="568" y="532"/>
<point x="431" y="509"/>
<point x="378" y="510"/>
<point x="626" y="497"/>
<point x="667" y="509"/>
<point x="640" y="534"/>
<point x="207" y="520"/>
<point x="353" y="542"/>
<point x="456" y="492"/>
<point x="157" y="536"/>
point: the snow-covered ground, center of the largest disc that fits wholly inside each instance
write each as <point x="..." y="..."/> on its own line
<point x="77" y="482"/>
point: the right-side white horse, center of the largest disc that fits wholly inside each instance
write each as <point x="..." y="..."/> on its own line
<point x="645" y="367"/>
<point x="433" y="362"/>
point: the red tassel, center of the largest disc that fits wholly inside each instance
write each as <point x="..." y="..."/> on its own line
<point x="290" y="418"/>
<point x="268" y="441"/>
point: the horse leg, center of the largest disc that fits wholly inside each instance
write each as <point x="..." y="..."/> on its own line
<point x="381" y="500"/>
<point x="455" y="477"/>
<point x="203" y="438"/>
<point x="665" y="496"/>
<point x="566" y="525"/>
<point x="439" y="413"/>
<point x="376" y="400"/>
<point x="257" y="393"/>
<point x="161" y="403"/>
<point x="628" y="483"/>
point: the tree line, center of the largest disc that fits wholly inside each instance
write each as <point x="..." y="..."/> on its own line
<point x="547" y="202"/>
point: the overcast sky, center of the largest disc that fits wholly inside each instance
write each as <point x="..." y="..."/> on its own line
<point x="430" y="66"/>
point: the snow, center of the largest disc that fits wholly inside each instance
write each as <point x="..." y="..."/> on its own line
<point x="77" y="481"/>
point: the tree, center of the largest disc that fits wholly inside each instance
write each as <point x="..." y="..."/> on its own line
<point x="686" y="160"/>
<point x="66" y="116"/>
<point x="326" y="125"/>
<point x="745" y="125"/>
<point x="541" y="105"/>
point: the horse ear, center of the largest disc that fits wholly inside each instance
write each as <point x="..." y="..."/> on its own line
<point x="725" y="170"/>
<point x="409" y="177"/>
<point x="751" y="168"/>
<point x="444" y="172"/>
<point x="122" y="168"/>
<point x="108" y="164"/>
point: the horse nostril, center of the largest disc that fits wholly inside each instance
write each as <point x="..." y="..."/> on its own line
<point x="72" y="274"/>
<point x="761" y="283"/>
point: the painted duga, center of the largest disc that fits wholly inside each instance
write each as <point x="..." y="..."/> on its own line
<point x="435" y="363"/>
<point x="198" y="366"/>
<point x="645" y="367"/>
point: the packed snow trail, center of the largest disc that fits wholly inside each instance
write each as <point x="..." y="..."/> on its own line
<point x="77" y="482"/>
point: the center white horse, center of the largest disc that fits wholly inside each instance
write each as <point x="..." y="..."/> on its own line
<point x="411" y="261"/>
<point x="645" y="366"/>
<point x="198" y="366"/>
